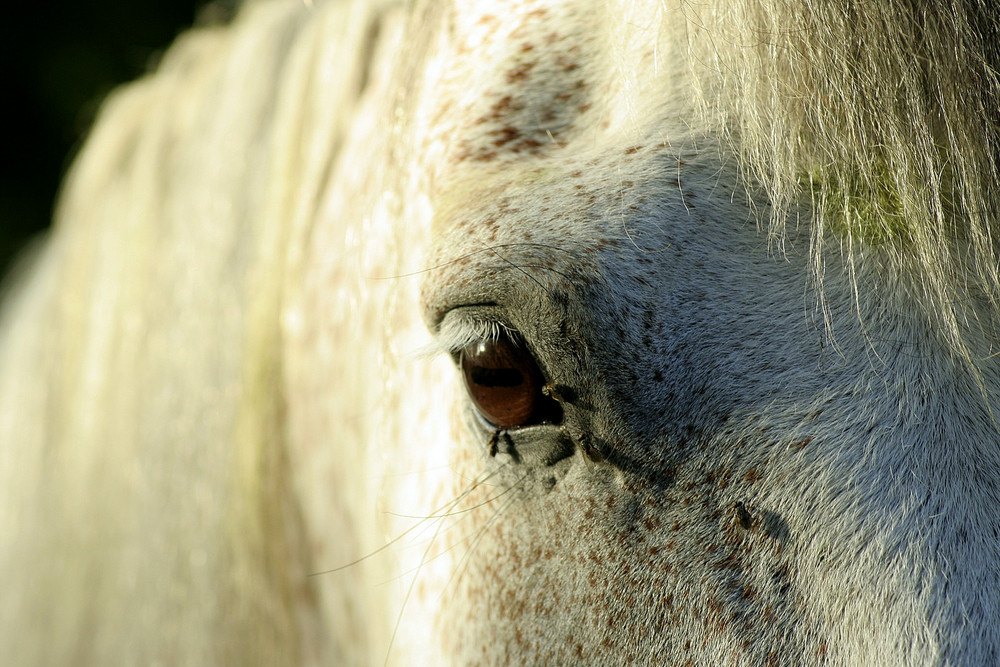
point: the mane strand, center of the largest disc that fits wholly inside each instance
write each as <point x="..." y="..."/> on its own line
<point x="884" y="116"/>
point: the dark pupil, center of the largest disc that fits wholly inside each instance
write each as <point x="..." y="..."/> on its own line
<point x="496" y="377"/>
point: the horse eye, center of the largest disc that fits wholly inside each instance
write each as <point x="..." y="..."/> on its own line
<point x="505" y="384"/>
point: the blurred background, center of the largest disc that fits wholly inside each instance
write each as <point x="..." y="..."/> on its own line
<point x="57" y="62"/>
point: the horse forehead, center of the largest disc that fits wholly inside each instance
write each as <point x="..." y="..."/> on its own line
<point x="555" y="226"/>
<point x="538" y="150"/>
<point x="513" y="81"/>
<point x="622" y="222"/>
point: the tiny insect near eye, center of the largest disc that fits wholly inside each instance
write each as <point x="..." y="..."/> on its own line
<point x="505" y="384"/>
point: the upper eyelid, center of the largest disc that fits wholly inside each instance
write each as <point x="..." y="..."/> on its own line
<point x="457" y="332"/>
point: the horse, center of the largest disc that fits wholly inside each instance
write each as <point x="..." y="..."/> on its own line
<point x="519" y="332"/>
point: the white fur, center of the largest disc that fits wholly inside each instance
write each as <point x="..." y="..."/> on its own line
<point x="751" y="246"/>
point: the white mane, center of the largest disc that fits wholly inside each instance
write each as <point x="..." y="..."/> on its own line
<point x="215" y="411"/>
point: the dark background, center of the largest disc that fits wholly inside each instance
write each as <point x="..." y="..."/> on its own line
<point x="57" y="62"/>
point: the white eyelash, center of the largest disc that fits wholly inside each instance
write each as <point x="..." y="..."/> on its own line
<point x="458" y="333"/>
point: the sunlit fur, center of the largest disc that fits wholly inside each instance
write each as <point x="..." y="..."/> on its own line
<point x="750" y="243"/>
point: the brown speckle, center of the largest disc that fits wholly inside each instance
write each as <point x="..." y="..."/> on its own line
<point x="743" y="516"/>
<point x="505" y="135"/>
<point x="796" y="446"/>
<point x="520" y="73"/>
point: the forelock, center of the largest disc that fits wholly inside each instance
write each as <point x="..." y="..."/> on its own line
<point x="874" y="121"/>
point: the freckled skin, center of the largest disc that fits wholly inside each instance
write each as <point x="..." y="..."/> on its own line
<point x="708" y="514"/>
<point x="635" y="554"/>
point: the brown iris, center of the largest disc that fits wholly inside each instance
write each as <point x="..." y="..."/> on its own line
<point x="505" y="384"/>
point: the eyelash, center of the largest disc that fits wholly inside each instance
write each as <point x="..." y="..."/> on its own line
<point x="458" y="334"/>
